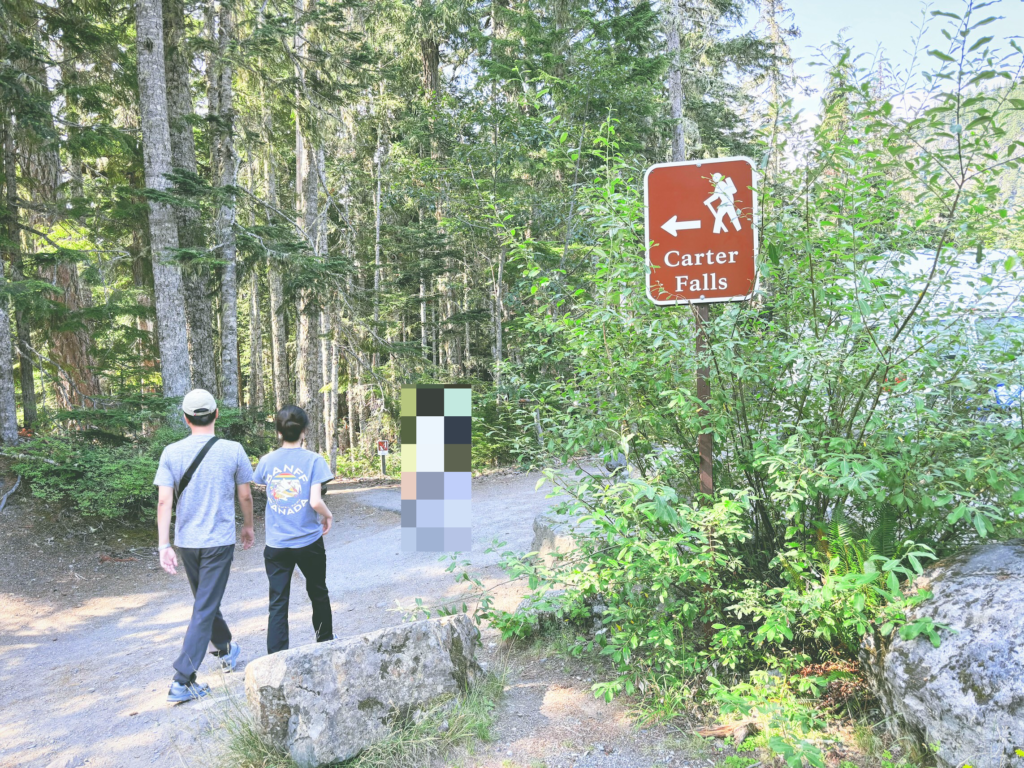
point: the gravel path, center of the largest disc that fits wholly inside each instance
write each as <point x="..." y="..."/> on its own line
<point x="86" y="642"/>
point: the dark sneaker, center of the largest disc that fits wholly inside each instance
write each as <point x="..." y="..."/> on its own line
<point x="178" y="694"/>
<point x="229" y="661"/>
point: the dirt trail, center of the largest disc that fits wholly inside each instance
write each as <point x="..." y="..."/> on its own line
<point x="86" y="646"/>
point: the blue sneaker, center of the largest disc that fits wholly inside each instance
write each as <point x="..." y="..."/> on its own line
<point x="229" y="661"/>
<point x="178" y="694"/>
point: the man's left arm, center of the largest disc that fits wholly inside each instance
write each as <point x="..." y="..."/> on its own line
<point x="243" y="478"/>
<point x="164" y="505"/>
<point x="245" y="502"/>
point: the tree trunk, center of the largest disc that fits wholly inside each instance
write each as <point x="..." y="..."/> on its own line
<point x="468" y="300"/>
<point x="499" y="317"/>
<point x="28" y="386"/>
<point x="332" y="415"/>
<point x="25" y="368"/>
<point x="325" y="377"/>
<point x="156" y="152"/>
<point x="275" y="283"/>
<point x="8" y="404"/>
<point x="224" y="228"/>
<point x="278" y="337"/>
<point x="76" y="383"/>
<point x="376" y="245"/>
<point x="423" y="316"/>
<point x="433" y="335"/>
<point x="307" y="344"/>
<point x="430" y="50"/>
<point x="256" y="393"/>
<point x="142" y="280"/>
<point x="675" y="80"/>
<point x="70" y="349"/>
<point x="195" y="278"/>
<point x="352" y="416"/>
<point x="307" y="341"/>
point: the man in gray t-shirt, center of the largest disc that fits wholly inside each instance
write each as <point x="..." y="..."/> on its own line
<point x="204" y="533"/>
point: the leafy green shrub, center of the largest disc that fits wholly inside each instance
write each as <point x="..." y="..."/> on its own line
<point x="503" y="433"/>
<point x="102" y="480"/>
<point x="105" y="465"/>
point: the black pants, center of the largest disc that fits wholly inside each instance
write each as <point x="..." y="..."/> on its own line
<point x="280" y="563"/>
<point x="207" y="569"/>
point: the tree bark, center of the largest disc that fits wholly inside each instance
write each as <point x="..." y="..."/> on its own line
<point x="430" y="50"/>
<point x="275" y="283"/>
<point x="325" y="377"/>
<point x="156" y="153"/>
<point x="423" y="316"/>
<point x="675" y="80"/>
<point x="25" y="367"/>
<point x="196" y="278"/>
<point x="142" y="280"/>
<point x="8" y="404"/>
<point x="376" y="236"/>
<point x="256" y="393"/>
<point x="499" y="318"/>
<point x="332" y="415"/>
<point x="352" y="410"/>
<point x="68" y="338"/>
<point x="224" y="228"/>
<point x="307" y="342"/>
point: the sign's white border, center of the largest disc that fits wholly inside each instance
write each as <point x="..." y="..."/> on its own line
<point x="755" y="178"/>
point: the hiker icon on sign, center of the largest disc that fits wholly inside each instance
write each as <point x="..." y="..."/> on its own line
<point x="725" y="194"/>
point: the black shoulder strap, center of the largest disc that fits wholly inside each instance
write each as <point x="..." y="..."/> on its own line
<point x="187" y="477"/>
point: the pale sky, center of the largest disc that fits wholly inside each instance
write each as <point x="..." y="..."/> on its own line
<point x="890" y="24"/>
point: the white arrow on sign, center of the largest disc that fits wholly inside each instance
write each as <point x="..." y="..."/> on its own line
<point x="674" y="227"/>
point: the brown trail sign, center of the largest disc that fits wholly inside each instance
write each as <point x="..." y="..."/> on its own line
<point x="700" y="223"/>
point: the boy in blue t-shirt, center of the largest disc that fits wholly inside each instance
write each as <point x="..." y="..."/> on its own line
<point x="295" y="535"/>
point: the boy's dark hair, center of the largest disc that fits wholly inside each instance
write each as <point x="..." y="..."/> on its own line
<point x="201" y="419"/>
<point x="291" y="421"/>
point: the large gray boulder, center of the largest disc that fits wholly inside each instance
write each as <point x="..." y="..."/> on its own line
<point x="327" y="702"/>
<point x="967" y="695"/>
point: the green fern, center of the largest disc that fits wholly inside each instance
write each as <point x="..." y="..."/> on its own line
<point x="883" y="537"/>
<point x="844" y="540"/>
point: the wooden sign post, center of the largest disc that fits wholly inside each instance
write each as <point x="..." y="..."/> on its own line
<point x="700" y="227"/>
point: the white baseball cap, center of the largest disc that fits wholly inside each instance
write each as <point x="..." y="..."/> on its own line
<point x="198" y="402"/>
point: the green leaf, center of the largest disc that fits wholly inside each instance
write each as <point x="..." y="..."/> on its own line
<point x="980" y="42"/>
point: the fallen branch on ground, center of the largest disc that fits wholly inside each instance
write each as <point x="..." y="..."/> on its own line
<point x="30" y="456"/>
<point x="109" y="559"/>
<point x="3" y="501"/>
<point x="738" y="731"/>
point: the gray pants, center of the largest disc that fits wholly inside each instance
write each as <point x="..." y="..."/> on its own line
<point x="207" y="569"/>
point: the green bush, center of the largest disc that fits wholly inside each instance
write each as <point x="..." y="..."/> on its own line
<point x="69" y="473"/>
<point x="503" y="432"/>
<point x="105" y="465"/>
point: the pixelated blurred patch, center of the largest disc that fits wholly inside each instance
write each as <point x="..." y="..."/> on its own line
<point x="436" y="429"/>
